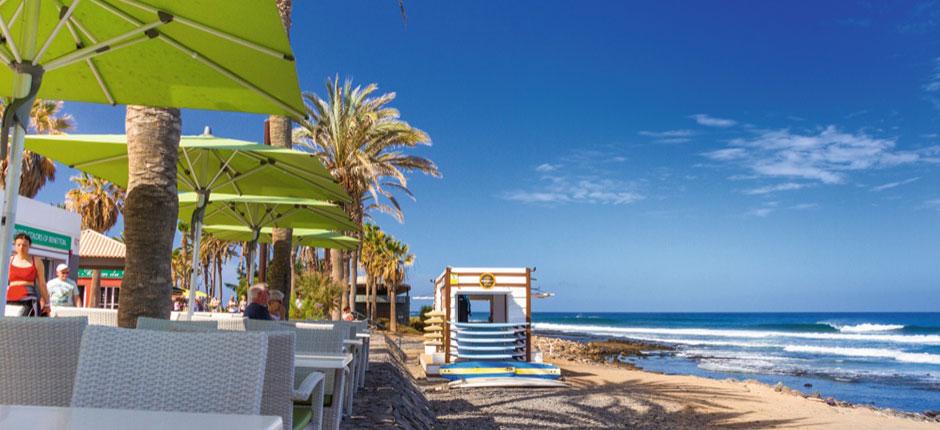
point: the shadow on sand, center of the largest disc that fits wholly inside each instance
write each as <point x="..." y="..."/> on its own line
<point x="631" y="404"/>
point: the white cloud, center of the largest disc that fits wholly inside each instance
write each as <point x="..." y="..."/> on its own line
<point x="591" y="190"/>
<point x="726" y="154"/>
<point x="710" y="121"/>
<point x="546" y="167"/>
<point x="535" y="197"/>
<point x="760" y="212"/>
<point x="769" y="208"/>
<point x="669" y="136"/>
<point x="787" y="186"/>
<point x="805" y="206"/>
<point x="890" y="185"/>
<point x="825" y="156"/>
<point x="933" y="85"/>
<point x="931" y="204"/>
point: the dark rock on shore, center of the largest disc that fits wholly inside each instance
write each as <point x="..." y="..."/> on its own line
<point x="610" y="351"/>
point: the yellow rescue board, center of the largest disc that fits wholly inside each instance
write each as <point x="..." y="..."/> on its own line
<point x="476" y="370"/>
<point x="533" y="371"/>
<point x="433" y="328"/>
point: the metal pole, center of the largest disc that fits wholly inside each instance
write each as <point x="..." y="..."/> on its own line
<point x="252" y="244"/>
<point x="197" y="237"/>
<point x="21" y="85"/>
<point x="251" y="262"/>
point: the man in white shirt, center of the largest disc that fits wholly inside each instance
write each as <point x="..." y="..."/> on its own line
<point x="62" y="290"/>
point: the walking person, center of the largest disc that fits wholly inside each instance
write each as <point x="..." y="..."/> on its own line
<point x="27" y="279"/>
<point x="62" y="290"/>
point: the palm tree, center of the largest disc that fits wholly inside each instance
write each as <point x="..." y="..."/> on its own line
<point x="215" y="253"/>
<point x="182" y="269"/>
<point x="45" y="118"/>
<point x="360" y="140"/>
<point x="150" y="211"/>
<point x="100" y="204"/>
<point x="279" y="133"/>
<point x="372" y="240"/>
<point x="396" y="258"/>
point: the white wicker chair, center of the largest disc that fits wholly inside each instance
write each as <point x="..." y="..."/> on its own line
<point x="155" y="370"/>
<point x="146" y="323"/>
<point x="265" y="325"/>
<point x="105" y="317"/>
<point x="351" y="328"/>
<point x="277" y="393"/>
<point x="277" y="398"/>
<point x="39" y="357"/>
<point x="362" y="353"/>
<point x="232" y="324"/>
<point x="322" y="338"/>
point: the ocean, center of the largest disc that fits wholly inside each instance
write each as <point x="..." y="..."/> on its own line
<point x="889" y="360"/>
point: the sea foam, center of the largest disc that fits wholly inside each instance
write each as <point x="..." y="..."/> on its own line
<point x="907" y="357"/>
<point x="864" y="327"/>
<point x="633" y="332"/>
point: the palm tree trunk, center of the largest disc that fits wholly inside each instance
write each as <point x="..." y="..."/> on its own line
<point x="372" y="300"/>
<point x="205" y="276"/>
<point x="95" y="290"/>
<point x="150" y="212"/>
<point x="293" y="277"/>
<point x="278" y="131"/>
<point x="218" y="279"/>
<point x="327" y="260"/>
<point x="392" y="315"/>
<point x="369" y="282"/>
<point x="353" y="278"/>
<point x="263" y="263"/>
<point x="336" y="273"/>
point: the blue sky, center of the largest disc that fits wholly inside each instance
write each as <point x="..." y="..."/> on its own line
<point x="659" y="156"/>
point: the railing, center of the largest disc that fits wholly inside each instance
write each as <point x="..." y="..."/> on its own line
<point x="394" y="348"/>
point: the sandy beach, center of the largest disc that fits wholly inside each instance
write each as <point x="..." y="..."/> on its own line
<point x="607" y="397"/>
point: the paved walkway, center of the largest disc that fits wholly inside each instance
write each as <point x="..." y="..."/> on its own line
<point x="390" y="398"/>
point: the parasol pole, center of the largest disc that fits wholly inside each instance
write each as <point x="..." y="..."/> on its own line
<point x="26" y="81"/>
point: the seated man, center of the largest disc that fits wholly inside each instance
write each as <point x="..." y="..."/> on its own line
<point x="257" y="308"/>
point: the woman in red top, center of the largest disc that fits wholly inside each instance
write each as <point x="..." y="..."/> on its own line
<point x="27" y="279"/>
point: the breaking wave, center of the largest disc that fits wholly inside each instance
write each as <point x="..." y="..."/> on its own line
<point x="634" y="332"/>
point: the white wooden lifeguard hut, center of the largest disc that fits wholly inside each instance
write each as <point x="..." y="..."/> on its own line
<point x="487" y="313"/>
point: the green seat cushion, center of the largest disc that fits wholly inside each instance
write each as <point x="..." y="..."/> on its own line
<point x="302" y="416"/>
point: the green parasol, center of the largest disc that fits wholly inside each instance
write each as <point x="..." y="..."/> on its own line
<point x="206" y="54"/>
<point x="208" y="167"/>
<point x="256" y="213"/>
<point x="264" y="211"/>
<point x="301" y="236"/>
<point x="206" y="164"/>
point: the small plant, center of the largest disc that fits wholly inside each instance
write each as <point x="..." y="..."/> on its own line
<point x="314" y="296"/>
